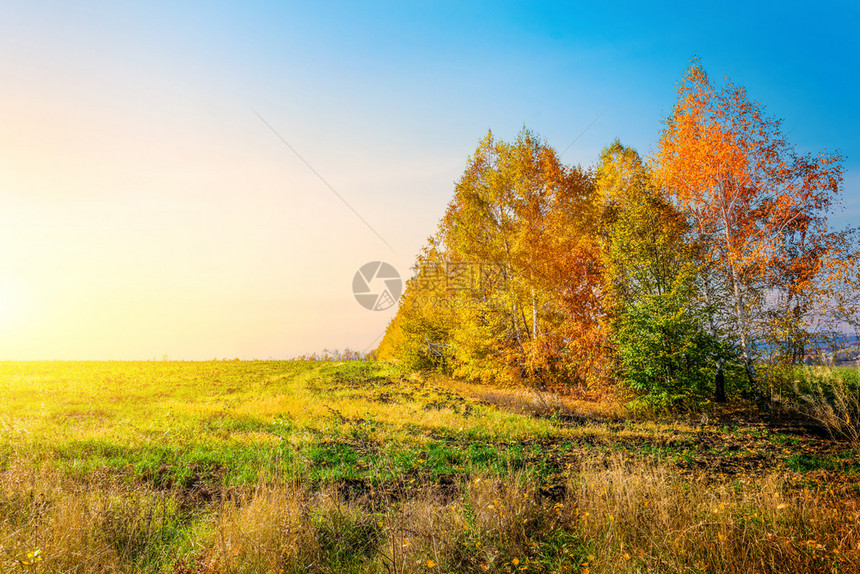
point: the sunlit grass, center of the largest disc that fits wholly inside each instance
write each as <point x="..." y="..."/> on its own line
<point x="136" y="417"/>
<point x="358" y="467"/>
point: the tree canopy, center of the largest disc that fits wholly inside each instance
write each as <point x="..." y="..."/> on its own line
<point x="656" y="276"/>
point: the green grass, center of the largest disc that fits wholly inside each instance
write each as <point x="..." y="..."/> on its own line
<point x="176" y="423"/>
<point x="227" y="466"/>
<point x="226" y="423"/>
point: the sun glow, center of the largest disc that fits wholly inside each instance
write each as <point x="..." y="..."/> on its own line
<point x="5" y="305"/>
<point x="11" y="307"/>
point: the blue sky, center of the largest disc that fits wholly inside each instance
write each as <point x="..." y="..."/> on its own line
<point x="148" y="211"/>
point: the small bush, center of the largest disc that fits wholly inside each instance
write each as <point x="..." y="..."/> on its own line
<point x="347" y="535"/>
<point x="834" y="401"/>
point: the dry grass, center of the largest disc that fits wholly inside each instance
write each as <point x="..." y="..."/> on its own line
<point x="529" y="401"/>
<point x="491" y="526"/>
<point x="615" y="515"/>
<point x="834" y="402"/>
<point x="640" y="517"/>
<point x="262" y="531"/>
<point x="51" y="524"/>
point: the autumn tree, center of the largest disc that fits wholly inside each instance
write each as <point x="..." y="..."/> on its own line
<point x="750" y="197"/>
<point x="419" y="336"/>
<point x="813" y="292"/>
<point x="518" y="208"/>
<point x="655" y="313"/>
<point x="509" y="289"/>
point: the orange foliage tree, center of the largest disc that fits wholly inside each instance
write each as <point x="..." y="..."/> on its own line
<point x="509" y="289"/>
<point x="519" y="208"/>
<point x="759" y="209"/>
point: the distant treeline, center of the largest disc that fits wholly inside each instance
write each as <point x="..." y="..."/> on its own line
<point x="333" y="355"/>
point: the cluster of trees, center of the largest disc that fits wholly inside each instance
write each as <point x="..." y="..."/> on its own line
<point x="670" y="276"/>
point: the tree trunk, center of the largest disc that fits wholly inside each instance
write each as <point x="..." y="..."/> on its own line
<point x="746" y="343"/>
<point x="720" y="383"/>
<point x="719" y="377"/>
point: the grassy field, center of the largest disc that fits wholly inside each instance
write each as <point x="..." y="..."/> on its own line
<point x="231" y="466"/>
